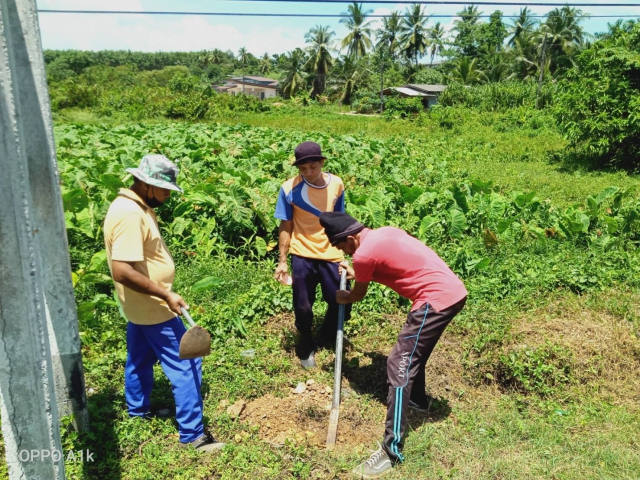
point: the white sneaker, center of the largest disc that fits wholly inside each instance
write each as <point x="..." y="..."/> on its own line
<point x="378" y="464"/>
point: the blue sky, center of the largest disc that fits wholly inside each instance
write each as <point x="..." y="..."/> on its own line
<point x="258" y="34"/>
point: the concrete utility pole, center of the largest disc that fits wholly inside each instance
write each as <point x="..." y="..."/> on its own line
<point x="41" y="374"/>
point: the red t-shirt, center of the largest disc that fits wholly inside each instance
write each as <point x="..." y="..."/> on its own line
<point x="392" y="257"/>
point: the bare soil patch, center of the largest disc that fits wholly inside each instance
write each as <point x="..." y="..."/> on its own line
<point x="304" y="418"/>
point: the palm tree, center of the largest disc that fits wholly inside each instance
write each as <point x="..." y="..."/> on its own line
<point x="265" y="64"/>
<point x="524" y="24"/>
<point x="320" y="61"/>
<point x="205" y="59"/>
<point x="347" y="78"/>
<point x="293" y="70"/>
<point x="465" y="71"/>
<point x="358" y="40"/>
<point x="436" y="37"/>
<point x="414" y="37"/>
<point x="563" y="36"/>
<point x="389" y="34"/>
<point x="496" y="67"/>
<point x="524" y="55"/>
<point x="243" y="58"/>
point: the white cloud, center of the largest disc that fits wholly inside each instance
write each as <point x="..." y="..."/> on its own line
<point x="188" y="33"/>
<point x="150" y="34"/>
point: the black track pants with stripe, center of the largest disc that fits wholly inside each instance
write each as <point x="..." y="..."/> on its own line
<point x="405" y="368"/>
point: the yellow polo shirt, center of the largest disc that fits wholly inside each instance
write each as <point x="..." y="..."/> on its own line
<point x="131" y="234"/>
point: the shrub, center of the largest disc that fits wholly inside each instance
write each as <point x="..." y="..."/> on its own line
<point x="398" y="107"/>
<point x="599" y="104"/>
<point x="540" y="370"/>
<point x="497" y="96"/>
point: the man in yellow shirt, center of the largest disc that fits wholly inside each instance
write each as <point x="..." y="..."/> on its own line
<point x="313" y="259"/>
<point x="143" y="272"/>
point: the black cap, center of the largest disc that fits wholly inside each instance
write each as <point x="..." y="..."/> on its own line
<point x="308" y="152"/>
<point x="338" y="226"/>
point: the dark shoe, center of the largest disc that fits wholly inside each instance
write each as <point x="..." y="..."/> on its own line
<point x="309" y="362"/>
<point x="161" y="413"/>
<point x="378" y="464"/>
<point x="206" y="443"/>
<point x="421" y="404"/>
<point x="329" y="342"/>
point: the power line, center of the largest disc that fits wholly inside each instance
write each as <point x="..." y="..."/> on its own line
<point x="308" y="15"/>
<point x="456" y="2"/>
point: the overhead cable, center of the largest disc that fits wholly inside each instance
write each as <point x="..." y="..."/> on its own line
<point x="308" y="15"/>
<point x="457" y="2"/>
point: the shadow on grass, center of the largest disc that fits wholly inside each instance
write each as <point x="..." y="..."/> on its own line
<point x="102" y="439"/>
<point x="372" y="380"/>
<point x="571" y="161"/>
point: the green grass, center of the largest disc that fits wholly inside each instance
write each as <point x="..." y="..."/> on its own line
<point x="481" y="430"/>
<point x="525" y="158"/>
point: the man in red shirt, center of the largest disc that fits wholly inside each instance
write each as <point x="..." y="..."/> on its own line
<point x="392" y="257"/>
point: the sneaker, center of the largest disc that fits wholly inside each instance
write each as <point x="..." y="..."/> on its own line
<point x="206" y="443"/>
<point x="378" y="464"/>
<point x="421" y="405"/>
<point x="162" y="413"/>
<point x="309" y="362"/>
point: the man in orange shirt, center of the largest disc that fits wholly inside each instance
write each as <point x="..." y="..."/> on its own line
<point x="143" y="272"/>
<point x="313" y="259"/>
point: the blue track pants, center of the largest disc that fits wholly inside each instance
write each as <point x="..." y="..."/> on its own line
<point x="147" y="344"/>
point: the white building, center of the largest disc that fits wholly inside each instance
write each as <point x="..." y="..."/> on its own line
<point x="260" y="87"/>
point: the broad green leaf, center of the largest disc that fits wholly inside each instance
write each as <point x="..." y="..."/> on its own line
<point x="75" y="200"/>
<point x="261" y="246"/>
<point x="479" y="186"/>
<point x="84" y="222"/>
<point x="594" y="207"/>
<point x="425" y="225"/>
<point x="112" y="182"/>
<point x="606" y="194"/>
<point x="503" y="225"/>
<point x="612" y="225"/>
<point x="460" y="196"/>
<point x="206" y="283"/>
<point x="180" y="224"/>
<point x="457" y="223"/>
<point x="182" y="208"/>
<point x="97" y="261"/>
<point x="91" y="278"/>
<point x="497" y="206"/>
<point x="410" y="194"/>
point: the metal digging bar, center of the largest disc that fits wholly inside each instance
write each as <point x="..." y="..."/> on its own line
<point x="337" y="374"/>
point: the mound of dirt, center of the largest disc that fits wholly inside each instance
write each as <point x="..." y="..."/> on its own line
<point x="303" y="417"/>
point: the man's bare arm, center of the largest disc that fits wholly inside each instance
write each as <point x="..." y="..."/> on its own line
<point x="284" y="241"/>
<point x="356" y="294"/>
<point x="124" y="273"/>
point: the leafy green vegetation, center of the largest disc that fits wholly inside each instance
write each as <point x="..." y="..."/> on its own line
<point x="515" y="250"/>
<point x="600" y="100"/>
<point x="535" y="378"/>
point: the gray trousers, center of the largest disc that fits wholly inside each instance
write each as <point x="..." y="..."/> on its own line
<point x="406" y="368"/>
